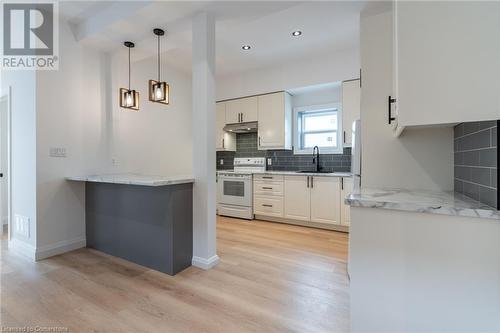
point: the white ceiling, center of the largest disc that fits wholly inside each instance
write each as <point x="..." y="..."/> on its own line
<point x="265" y="25"/>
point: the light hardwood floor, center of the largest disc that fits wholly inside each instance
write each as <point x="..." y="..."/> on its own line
<point x="271" y="278"/>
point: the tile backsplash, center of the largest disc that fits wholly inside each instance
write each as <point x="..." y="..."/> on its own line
<point x="282" y="160"/>
<point x="475" y="161"/>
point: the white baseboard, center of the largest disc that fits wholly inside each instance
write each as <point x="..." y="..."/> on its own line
<point x="205" y="263"/>
<point x="51" y="250"/>
<point x="23" y="248"/>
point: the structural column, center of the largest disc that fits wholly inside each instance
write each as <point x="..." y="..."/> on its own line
<point x="204" y="227"/>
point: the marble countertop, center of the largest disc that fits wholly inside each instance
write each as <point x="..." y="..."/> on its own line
<point x="295" y="173"/>
<point x="443" y="203"/>
<point x="134" y="179"/>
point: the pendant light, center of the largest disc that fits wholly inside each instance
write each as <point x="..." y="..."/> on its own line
<point x="129" y="99"/>
<point x="158" y="90"/>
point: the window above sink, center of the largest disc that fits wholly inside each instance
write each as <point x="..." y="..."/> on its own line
<point x="319" y="125"/>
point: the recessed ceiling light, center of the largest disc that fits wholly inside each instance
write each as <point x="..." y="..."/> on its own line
<point x="246" y="47"/>
<point x="296" y="33"/>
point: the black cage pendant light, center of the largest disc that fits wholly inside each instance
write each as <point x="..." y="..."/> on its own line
<point x="158" y="90"/>
<point x="129" y="99"/>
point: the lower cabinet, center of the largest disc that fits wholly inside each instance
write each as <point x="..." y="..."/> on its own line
<point x="325" y="199"/>
<point x="297" y="198"/>
<point x="306" y="200"/>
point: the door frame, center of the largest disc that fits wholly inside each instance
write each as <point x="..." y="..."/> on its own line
<point x="7" y="94"/>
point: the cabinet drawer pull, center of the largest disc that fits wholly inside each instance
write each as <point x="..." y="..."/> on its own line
<point x="267" y="188"/>
<point x="265" y="205"/>
<point x="312" y="181"/>
<point x="307" y="181"/>
<point x="267" y="177"/>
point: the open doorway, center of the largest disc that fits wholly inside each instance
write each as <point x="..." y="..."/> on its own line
<point x="4" y="161"/>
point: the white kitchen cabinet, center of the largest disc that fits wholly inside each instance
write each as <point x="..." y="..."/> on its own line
<point x="345" y="210"/>
<point x="224" y="141"/>
<point x="297" y="198"/>
<point x="447" y="61"/>
<point x="275" y="121"/>
<point x="351" y="106"/>
<point x="242" y="110"/>
<point x="325" y="199"/>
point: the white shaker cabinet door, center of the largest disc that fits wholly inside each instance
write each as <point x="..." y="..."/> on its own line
<point x="297" y="198"/>
<point x="325" y="199"/>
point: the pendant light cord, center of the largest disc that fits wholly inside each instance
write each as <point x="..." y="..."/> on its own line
<point x="158" y="58"/>
<point x="129" y="68"/>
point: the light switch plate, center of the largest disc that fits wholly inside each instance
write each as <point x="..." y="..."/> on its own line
<point x="57" y="152"/>
<point x="221" y="161"/>
<point x="269" y="161"/>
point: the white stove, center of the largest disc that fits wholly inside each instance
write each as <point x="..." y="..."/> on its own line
<point x="234" y="188"/>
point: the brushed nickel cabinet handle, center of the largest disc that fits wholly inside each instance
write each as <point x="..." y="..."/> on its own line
<point x="312" y="181"/>
<point x="267" y="188"/>
<point x="242" y="117"/>
<point x="267" y="177"/>
<point x="223" y="143"/>
<point x="267" y="205"/>
<point x="307" y="181"/>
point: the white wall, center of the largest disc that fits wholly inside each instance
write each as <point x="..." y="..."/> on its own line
<point x="420" y="158"/>
<point x="339" y="66"/>
<point x="70" y="114"/>
<point x="317" y="95"/>
<point x="156" y="140"/>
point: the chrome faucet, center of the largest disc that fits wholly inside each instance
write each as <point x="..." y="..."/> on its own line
<point x="316" y="158"/>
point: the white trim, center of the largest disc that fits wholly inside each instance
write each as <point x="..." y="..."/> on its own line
<point x="22" y="248"/>
<point x="205" y="263"/>
<point x="59" y="248"/>
<point x="315" y="108"/>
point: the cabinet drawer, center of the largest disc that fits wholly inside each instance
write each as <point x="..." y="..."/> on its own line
<point x="272" y="188"/>
<point x="267" y="177"/>
<point x="268" y="206"/>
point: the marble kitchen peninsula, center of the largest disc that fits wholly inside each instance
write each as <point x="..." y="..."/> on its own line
<point x="144" y="219"/>
<point x="415" y="256"/>
<point x="442" y="203"/>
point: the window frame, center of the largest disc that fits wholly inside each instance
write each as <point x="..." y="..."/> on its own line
<point x="298" y="134"/>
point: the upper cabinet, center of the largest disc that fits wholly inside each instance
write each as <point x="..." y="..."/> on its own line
<point x="275" y="121"/>
<point x="224" y="141"/>
<point x="242" y="110"/>
<point x="447" y="61"/>
<point x="351" y="106"/>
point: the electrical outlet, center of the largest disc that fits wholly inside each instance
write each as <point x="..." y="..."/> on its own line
<point x="114" y="161"/>
<point x="22" y="226"/>
<point x="221" y="161"/>
<point x="57" y="152"/>
<point x="269" y="161"/>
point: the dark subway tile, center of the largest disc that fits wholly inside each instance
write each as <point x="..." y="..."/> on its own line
<point x="487" y="124"/>
<point x="471" y="190"/>
<point x="462" y="173"/>
<point x="458" y="186"/>
<point x="475" y="141"/>
<point x="494" y="137"/>
<point x="471" y="127"/>
<point x="458" y="130"/>
<point x="494" y="178"/>
<point x="471" y="158"/>
<point x="481" y="176"/>
<point x="488" y="157"/>
<point x="488" y="196"/>
<point x="458" y="158"/>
